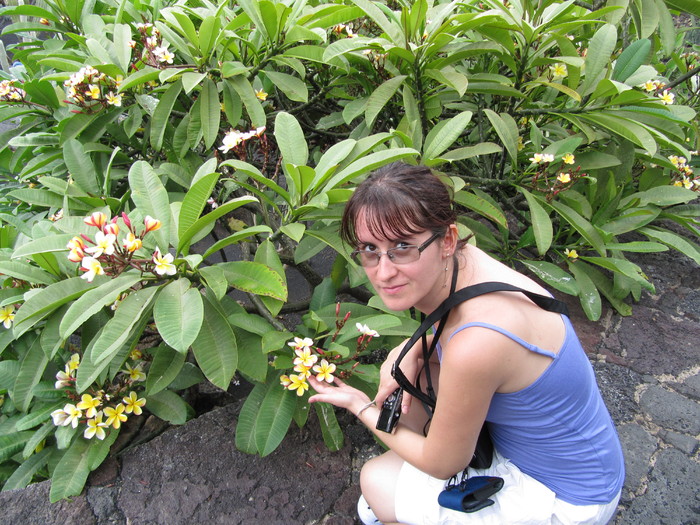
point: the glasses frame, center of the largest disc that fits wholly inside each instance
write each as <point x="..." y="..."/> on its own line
<point x="355" y="254"/>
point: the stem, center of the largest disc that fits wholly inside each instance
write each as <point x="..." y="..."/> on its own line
<point x="683" y="77"/>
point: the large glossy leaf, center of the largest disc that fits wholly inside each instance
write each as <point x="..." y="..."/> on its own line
<point x="24" y="474"/>
<point x="444" y="134"/>
<point x="169" y="406"/>
<point x="161" y="116"/>
<point x="601" y="45"/>
<point x="333" y="435"/>
<point x="30" y="371"/>
<point x="252" y="105"/>
<point x="293" y="87"/>
<point x="196" y="199"/>
<point x="274" y="418"/>
<point x="94" y="300"/>
<point x="290" y="139"/>
<point x="236" y="237"/>
<point x="50" y="243"/>
<point x="165" y="367"/>
<point x="252" y="362"/>
<point x="481" y="206"/>
<point x="506" y="129"/>
<point x="210" y="111"/>
<point x="11" y="444"/>
<point x="151" y="197"/>
<point x="541" y="223"/>
<point x="71" y="473"/>
<point x="675" y="241"/>
<point x="47" y="300"/>
<point x="80" y="166"/>
<point x="623" y="127"/>
<point x="26" y="272"/>
<point x="627" y="268"/>
<point x="581" y="225"/>
<point x="215" y="347"/>
<point x="210" y="218"/>
<point x="604" y="286"/>
<point x="245" y="427"/>
<point x="178" y="313"/>
<point x="553" y="276"/>
<point x="369" y="163"/>
<point x="127" y="315"/>
<point x="380" y="97"/>
<point x="255" y="278"/>
<point x="267" y="256"/>
<point x="636" y="54"/>
<point x="588" y="293"/>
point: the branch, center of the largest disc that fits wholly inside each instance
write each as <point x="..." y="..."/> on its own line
<point x="684" y="77"/>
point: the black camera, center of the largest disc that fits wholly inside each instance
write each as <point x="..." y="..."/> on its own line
<point x="390" y="412"/>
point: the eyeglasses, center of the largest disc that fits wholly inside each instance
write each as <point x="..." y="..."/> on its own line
<point x="398" y="255"/>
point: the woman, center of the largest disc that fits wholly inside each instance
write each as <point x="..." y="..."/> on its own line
<point x="500" y="359"/>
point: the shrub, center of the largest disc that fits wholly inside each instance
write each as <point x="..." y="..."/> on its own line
<point x="166" y="154"/>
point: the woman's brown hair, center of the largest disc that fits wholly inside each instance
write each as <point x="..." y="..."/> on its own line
<point x="396" y="201"/>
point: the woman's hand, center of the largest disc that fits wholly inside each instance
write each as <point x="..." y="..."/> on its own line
<point x="338" y="393"/>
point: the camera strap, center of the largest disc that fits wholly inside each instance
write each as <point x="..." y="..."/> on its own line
<point x="441" y="313"/>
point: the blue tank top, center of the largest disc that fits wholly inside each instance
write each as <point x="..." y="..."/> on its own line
<point x="558" y="430"/>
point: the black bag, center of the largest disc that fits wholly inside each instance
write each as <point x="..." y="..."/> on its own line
<point x="483" y="453"/>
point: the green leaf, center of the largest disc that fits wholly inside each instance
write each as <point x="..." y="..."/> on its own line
<point x="169" y="406"/>
<point x="255" y="278"/>
<point x="506" y="129"/>
<point x="581" y="225"/>
<point x="26" y="272"/>
<point x="675" y="241"/>
<point x="116" y="332"/>
<point x="483" y="148"/>
<point x="631" y="58"/>
<point x="140" y="77"/>
<point x="71" y="473"/>
<point x="151" y="197"/>
<point x="37" y="416"/>
<point x="94" y="300"/>
<point x="161" y="115"/>
<point x="290" y="139"/>
<point x="215" y="347"/>
<point x="553" y="276"/>
<point x="330" y="429"/>
<point x="39" y="436"/>
<point x="266" y="255"/>
<point x="252" y="105"/>
<point x="541" y="223"/>
<point x="165" y="367"/>
<point x="50" y="243"/>
<point x="47" y="300"/>
<point x="274" y="418"/>
<point x="662" y="196"/>
<point x="209" y="218"/>
<point x="252" y="363"/>
<point x="24" y="474"/>
<point x="622" y="266"/>
<point x="245" y="427"/>
<point x="210" y="112"/>
<point x="588" y="293"/>
<point x="12" y="443"/>
<point x="294" y="88"/>
<point x="195" y="200"/>
<point x="380" y="97"/>
<point x="367" y="164"/>
<point x="442" y="136"/>
<point x="178" y="313"/>
<point x="603" y="44"/>
<point x="481" y="206"/>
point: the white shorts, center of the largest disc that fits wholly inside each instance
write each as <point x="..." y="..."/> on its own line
<point x="522" y="501"/>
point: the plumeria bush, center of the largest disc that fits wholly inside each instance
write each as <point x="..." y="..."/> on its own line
<point x="171" y="162"/>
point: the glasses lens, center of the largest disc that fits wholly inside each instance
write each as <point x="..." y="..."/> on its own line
<point x="404" y="254"/>
<point x="365" y="258"/>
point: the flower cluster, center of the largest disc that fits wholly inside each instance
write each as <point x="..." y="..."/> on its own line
<point x="10" y="93"/>
<point x="310" y="360"/>
<point x="657" y="87"/>
<point x="155" y="49"/>
<point x="91" y="408"/>
<point x="564" y="179"/>
<point x="684" y="177"/>
<point x="102" y="254"/>
<point x="234" y="139"/>
<point x="91" y="90"/>
<point x="7" y="315"/>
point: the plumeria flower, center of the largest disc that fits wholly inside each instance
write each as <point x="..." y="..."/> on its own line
<point x="164" y="263"/>
<point x="73" y="415"/>
<point x="94" y="91"/>
<point x="97" y="219"/>
<point x="135" y="373"/>
<point x="163" y="55"/>
<point x="303" y="371"/>
<point x="300" y="343"/>
<point x="568" y="158"/>
<point x="536" y="158"/>
<point x="299" y="384"/>
<point x="7" y="315"/>
<point x="135" y="354"/>
<point x="232" y="139"/>
<point x="131" y="242"/>
<point x="89" y="404"/>
<point x="365" y="330"/>
<point x="667" y="97"/>
<point x="95" y="428"/>
<point x="59" y="417"/>
<point x="63" y="380"/>
<point x="152" y="42"/>
<point x="305" y="357"/>
<point x="76" y="255"/>
<point x="564" y="178"/>
<point x="260" y="93"/>
<point x="104" y="244"/>
<point x="571" y="254"/>
<point x="92" y="268"/>
<point x="74" y="362"/>
<point x="115" y="416"/>
<point x="151" y="224"/>
<point x="114" y="100"/>
<point x="649" y="86"/>
<point x="285" y="381"/>
<point x="324" y="371"/>
<point x="558" y="70"/>
<point x="133" y="404"/>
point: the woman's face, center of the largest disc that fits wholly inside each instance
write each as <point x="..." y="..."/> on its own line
<point x="401" y="286"/>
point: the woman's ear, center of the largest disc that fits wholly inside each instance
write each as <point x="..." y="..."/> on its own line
<point x="449" y="242"/>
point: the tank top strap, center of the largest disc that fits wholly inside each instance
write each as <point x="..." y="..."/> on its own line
<point x="508" y="334"/>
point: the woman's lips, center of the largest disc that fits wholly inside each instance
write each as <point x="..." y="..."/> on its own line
<point x="391" y="290"/>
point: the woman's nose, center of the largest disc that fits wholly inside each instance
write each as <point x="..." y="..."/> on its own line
<point x="385" y="268"/>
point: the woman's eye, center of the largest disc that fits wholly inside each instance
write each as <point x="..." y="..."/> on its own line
<point x="368" y="248"/>
<point x="403" y="245"/>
